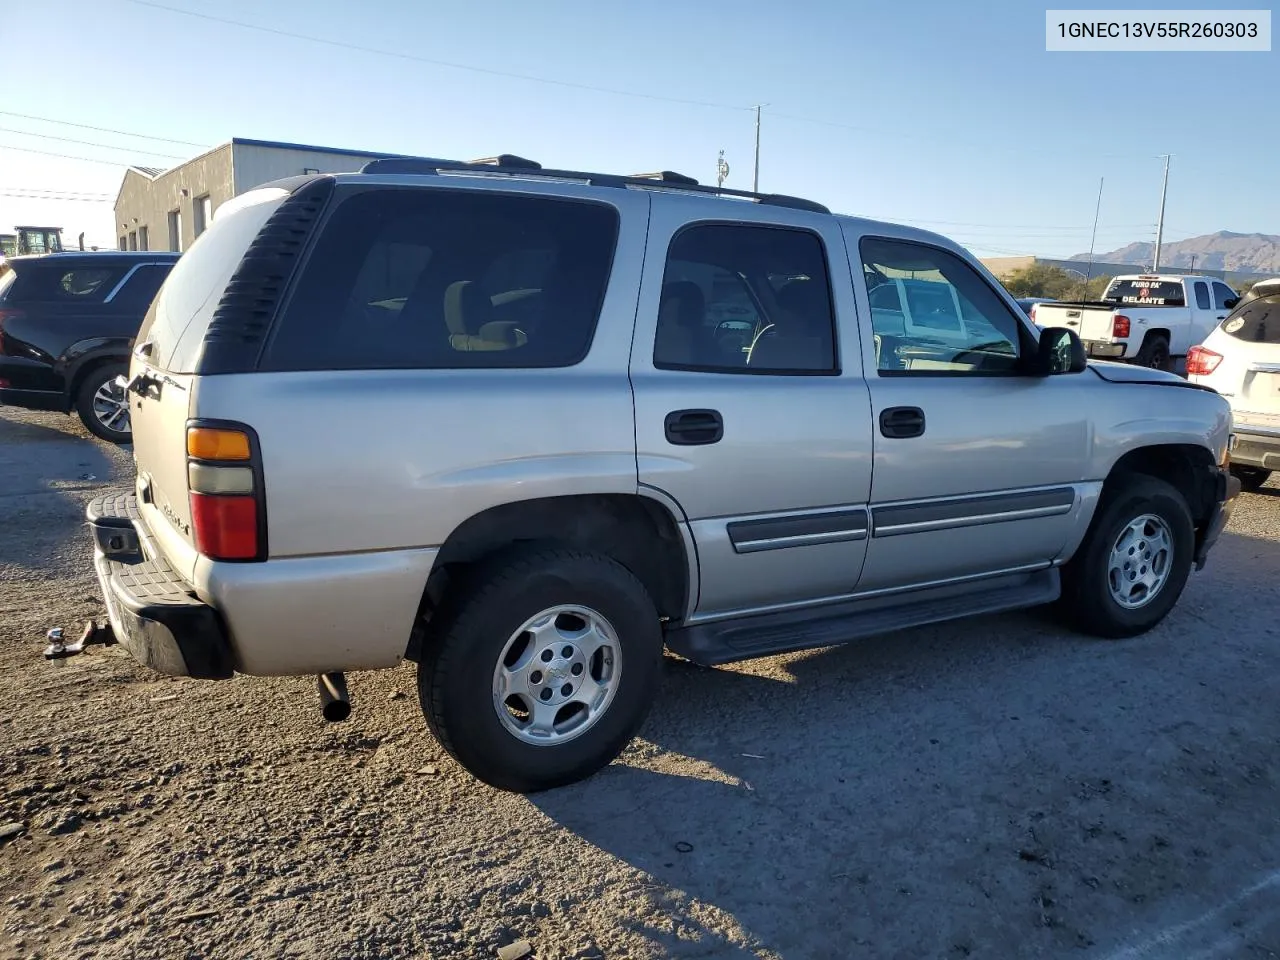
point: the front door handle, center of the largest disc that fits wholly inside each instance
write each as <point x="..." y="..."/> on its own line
<point x="901" y="422"/>
<point x="687" y="428"/>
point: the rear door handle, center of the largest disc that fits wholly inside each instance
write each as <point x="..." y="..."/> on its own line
<point x="899" y="423"/>
<point x="687" y="428"/>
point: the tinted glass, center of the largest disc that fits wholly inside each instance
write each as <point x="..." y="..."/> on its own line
<point x="1257" y="321"/>
<point x="58" y="283"/>
<point x="1221" y="294"/>
<point x="141" y="287"/>
<point x="1152" y="293"/>
<point x="446" y="279"/>
<point x="187" y="301"/>
<point x="932" y="313"/>
<point x="745" y="299"/>
<point x="1202" y="295"/>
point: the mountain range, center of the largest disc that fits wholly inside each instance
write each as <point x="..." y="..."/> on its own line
<point x="1244" y="252"/>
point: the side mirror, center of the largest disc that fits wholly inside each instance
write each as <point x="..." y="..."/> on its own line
<point x="1230" y="302"/>
<point x="1059" y="351"/>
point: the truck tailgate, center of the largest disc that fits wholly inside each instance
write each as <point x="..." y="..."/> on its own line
<point x="1088" y="322"/>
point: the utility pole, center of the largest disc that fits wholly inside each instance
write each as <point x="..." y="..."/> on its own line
<point x="755" y="179"/>
<point x="1164" y="190"/>
<point x="722" y="170"/>
<point x="1093" y="240"/>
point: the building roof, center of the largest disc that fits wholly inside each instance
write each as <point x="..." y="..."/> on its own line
<point x="309" y="148"/>
<point x="149" y="172"/>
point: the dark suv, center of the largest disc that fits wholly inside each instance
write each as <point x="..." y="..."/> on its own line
<point x="66" y="323"/>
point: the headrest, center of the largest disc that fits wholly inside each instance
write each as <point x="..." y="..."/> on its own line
<point x="466" y="307"/>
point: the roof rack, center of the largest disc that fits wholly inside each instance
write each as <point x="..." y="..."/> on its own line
<point x="510" y="165"/>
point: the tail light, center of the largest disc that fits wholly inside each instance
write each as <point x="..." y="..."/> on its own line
<point x="228" y="501"/>
<point x="6" y="315"/>
<point x="1120" y="327"/>
<point x="1202" y="362"/>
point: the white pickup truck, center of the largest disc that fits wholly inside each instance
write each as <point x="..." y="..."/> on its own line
<point x="1148" y="319"/>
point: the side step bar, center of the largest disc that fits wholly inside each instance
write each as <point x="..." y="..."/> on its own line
<point x="745" y="638"/>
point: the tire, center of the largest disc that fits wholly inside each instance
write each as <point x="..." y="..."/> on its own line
<point x="1089" y="601"/>
<point x="462" y="667"/>
<point x="1251" y="479"/>
<point x="1154" y="353"/>
<point x="94" y="403"/>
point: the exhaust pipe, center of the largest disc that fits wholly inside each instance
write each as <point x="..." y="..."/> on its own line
<point x="335" y="705"/>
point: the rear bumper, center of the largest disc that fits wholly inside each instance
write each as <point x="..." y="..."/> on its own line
<point x="1258" y="447"/>
<point x="154" y="614"/>
<point x="1228" y="490"/>
<point x="1105" y="349"/>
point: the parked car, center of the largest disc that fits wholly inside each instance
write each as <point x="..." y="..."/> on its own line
<point x="1241" y="360"/>
<point x="66" y="322"/>
<point x="1149" y="319"/>
<point x="477" y="415"/>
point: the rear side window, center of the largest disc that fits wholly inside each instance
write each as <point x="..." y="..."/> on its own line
<point x="432" y="279"/>
<point x="141" y="287"/>
<point x="55" y="283"/>
<point x="1257" y="321"/>
<point x="178" y="317"/>
<point x="1202" y="295"/>
<point x="1147" y="293"/>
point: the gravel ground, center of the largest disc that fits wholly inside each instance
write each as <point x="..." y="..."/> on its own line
<point x="995" y="788"/>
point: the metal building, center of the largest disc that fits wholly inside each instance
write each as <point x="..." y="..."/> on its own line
<point x="167" y="209"/>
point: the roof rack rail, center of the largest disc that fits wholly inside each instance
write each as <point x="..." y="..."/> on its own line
<point x="519" y="167"/>
<point x="667" y="176"/>
<point x="508" y="160"/>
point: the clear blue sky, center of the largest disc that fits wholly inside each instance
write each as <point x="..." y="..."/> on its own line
<point x="949" y="115"/>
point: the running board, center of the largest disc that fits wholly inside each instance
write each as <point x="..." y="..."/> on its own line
<point x="763" y="635"/>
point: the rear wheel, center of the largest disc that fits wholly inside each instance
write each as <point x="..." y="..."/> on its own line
<point x="1251" y="478"/>
<point x="541" y="668"/>
<point x="1154" y="353"/>
<point x="1134" y="561"/>
<point x="103" y="404"/>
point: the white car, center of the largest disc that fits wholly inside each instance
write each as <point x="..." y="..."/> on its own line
<point x="1241" y="360"/>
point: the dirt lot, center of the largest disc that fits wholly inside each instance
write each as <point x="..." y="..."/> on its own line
<point x="997" y="788"/>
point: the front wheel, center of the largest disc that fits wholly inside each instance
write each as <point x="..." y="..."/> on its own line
<point x="103" y="403"/>
<point x="1134" y="561"/>
<point x="542" y="668"/>
<point x="1251" y="478"/>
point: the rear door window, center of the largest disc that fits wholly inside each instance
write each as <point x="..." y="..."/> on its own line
<point x="180" y="315"/>
<point x="1257" y="321"/>
<point x="1147" y="293"/>
<point x="1202" y="295"/>
<point x="439" y="279"/>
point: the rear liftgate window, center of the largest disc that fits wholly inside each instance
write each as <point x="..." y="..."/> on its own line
<point x="1258" y="321"/>
<point x="422" y="279"/>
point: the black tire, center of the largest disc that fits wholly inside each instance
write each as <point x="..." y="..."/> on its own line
<point x="468" y="634"/>
<point x="1087" y="599"/>
<point x="1251" y="478"/>
<point x="1154" y="353"/>
<point x="100" y="378"/>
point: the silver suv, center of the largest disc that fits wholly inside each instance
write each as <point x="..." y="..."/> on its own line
<point x="527" y="427"/>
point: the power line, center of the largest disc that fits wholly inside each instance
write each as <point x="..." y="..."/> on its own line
<point x="89" y="143"/>
<point x="87" y="126"/>
<point x="35" y="191"/>
<point x="344" y="45"/>
<point x="55" y="198"/>
<point x="65" y="156"/>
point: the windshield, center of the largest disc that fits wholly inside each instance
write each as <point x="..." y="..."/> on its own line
<point x="1147" y="293"/>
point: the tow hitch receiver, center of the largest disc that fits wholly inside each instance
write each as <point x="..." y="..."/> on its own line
<point x="58" y="650"/>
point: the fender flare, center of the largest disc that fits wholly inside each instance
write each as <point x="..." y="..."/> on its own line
<point x="84" y="353"/>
